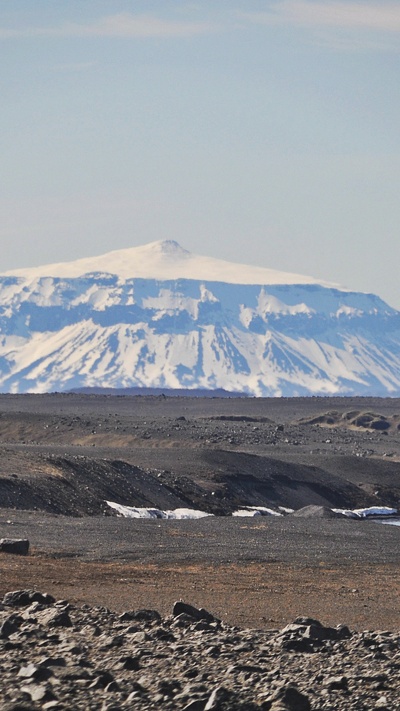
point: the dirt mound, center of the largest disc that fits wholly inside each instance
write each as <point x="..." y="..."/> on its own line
<point x="353" y="418"/>
<point x="218" y="482"/>
<point x="326" y="418"/>
<point x="316" y="512"/>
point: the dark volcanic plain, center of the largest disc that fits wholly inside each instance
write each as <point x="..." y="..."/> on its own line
<point x="64" y="455"/>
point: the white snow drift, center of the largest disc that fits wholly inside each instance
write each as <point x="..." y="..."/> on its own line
<point x="135" y="512"/>
<point x="244" y="511"/>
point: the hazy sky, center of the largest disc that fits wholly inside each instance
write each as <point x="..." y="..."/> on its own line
<point x="258" y="131"/>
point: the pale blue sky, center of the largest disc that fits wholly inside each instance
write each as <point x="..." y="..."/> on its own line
<point x="258" y="131"/>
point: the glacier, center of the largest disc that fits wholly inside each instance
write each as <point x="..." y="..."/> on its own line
<point x="157" y="316"/>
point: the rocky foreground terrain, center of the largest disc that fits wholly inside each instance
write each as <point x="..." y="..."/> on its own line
<point x="268" y="579"/>
<point x="57" y="656"/>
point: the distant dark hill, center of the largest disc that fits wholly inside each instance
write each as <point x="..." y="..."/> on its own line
<point x="79" y="486"/>
<point x="167" y="392"/>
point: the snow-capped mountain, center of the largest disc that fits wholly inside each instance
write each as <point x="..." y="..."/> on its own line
<point x="159" y="316"/>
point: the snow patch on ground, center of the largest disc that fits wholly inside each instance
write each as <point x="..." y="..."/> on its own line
<point x="149" y="513"/>
<point x="179" y="514"/>
<point x="366" y="513"/>
<point x="256" y="511"/>
<point x="244" y="511"/>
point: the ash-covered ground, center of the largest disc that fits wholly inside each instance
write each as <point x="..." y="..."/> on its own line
<point x="68" y="453"/>
<point x="63" y="456"/>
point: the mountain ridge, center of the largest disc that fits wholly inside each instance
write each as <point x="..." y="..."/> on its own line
<point x="101" y="329"/>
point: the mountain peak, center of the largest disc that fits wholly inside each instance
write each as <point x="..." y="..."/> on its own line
<point x="158" y="316"/>
<point x="165" y="260"/>
<point x="169" y="247"/>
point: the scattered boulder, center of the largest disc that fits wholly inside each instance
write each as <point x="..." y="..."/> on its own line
<point x="146" y="615"/>
<point x="350" y="414"/>
<point x="182" y="608"/>
<point x="10" y="625"/>
<point x="306" y="629"/>
<point x="22" y="598"/>
<point x="205" y="665"/>
<point x="223" y="699"/>
<point x="54" y="618"/>
<point x="287" y="698"/>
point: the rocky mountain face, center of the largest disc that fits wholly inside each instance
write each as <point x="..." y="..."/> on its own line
<point x="159" y="317"/>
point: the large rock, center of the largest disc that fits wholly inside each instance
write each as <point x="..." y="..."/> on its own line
<point x="184" y="608"/>
<point x="314" y="511"/>
<point x="287" y="698"/>
<point x="18" y="546"/>
<point x="22" y="598"/>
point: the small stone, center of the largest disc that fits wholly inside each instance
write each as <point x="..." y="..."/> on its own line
<point x="220" y="699"/>
<point x="139" y="637"/>
<point x="196" y="705"/>
<point x="29" y="671"/>
<point x="336" y="682"/>
<point x="53" y="662"/>
<point x="147" y="616"/>
<point x="33" y="671"/>
<point x="102" y="680"/>
<point x="39" y="692"/>
<point x="213" y="651"/>
<point x="126" y="616"/>
<point x="288" y="698"/>
<point x="183" y="620"/>
<point x="112" y="686"/>
<point x="55" y="618"/>
<point x="129" y="663"/>
<point x="10" y="625"/>
<point x="307" y="621"/>
<point x="158" y="698"/>
<point x="73" y="673"/>
<point x="133" y="696"/>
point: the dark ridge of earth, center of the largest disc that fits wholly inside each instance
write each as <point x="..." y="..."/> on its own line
<point x="68" y="453"/>
<point x="164" y="392"/>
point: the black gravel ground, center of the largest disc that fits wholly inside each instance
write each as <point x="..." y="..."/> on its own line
<point x="214" y="540"/>
<point x="67" y="454"/>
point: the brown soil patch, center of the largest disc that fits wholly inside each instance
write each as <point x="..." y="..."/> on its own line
<point x="249" y="595"/>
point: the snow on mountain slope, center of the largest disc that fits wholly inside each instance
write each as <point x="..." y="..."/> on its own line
<point x="99" y="323"/>
<point x="164" y="260"/>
